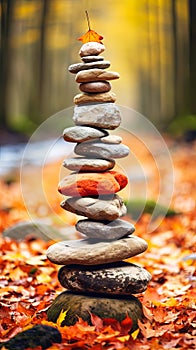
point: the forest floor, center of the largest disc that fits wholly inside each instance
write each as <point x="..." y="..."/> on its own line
<point x="29" y="281"/>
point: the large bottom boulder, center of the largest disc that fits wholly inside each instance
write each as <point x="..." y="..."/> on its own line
<point x="81" y="305"/>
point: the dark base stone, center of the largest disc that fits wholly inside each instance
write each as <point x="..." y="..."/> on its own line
<point x="39" y="335"/>
<point x="81" y="305"/>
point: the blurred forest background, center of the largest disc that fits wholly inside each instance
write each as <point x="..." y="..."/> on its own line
<point x="151" y="43"/>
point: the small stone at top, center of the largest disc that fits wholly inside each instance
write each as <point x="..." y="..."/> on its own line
<point x="91" y="49"/>
<point x="87" y="59"/>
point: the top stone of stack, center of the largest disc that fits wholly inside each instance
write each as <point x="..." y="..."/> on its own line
<point x="91" y="48"/>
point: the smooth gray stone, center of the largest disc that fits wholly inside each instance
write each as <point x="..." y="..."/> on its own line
<point x="105" y="230"/>
<point x="33" y="229"/>
<point x="95" y="208"/>
<point x="111" y="139"/>
<point x="101" y="149"/>
<point x="83" y="305"/>
<point x="119" y="278"/>
<point x="82" y="133"/>
<point x="77" y="67"/>
<point x="88" y="164"/>
<point x="94" y="252"/>
<point x="101" y="115"/>
<point x="92" y="58"/>
<point x="91" y="48"/>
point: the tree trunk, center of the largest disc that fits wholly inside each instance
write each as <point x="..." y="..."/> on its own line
<point x="192" y="41"/>
<point x="6" y="20"/>
<point x="37" y="93"/>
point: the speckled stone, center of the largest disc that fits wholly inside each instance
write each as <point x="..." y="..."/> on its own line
<point x="84" y="305"/>
<point x="95" y="74"/>
<point x="111" y="139"/>
<point x="91" y="49"/>
<point x="99" y="209"/>
<point x="88" y="164"/>
<point x="95" y="87"/>
<point x="82" y="133"/>
<point x="92" y="58"/>
<point x="119" y="278"/>
<point x="100" y="115"/>
<point x="106" y="230"/>
<point x="93" y="98"/>
<point x="92" y="184"/>
<point x="77" y="67"/>
<point x="94" y="252"/>
<point x="101" y="149"/>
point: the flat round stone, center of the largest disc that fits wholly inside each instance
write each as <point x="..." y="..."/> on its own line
<point x="106" y="208"/>
<point x="111" y="139"/>
<point x="82" y="133"/>
<point x="92" y="58"/>
<point x="93" y="252"/>
<point x="100" y="115"/>
<point x="92" y="98"/>
<point x="77" y="67"/>
<point x="105" y="230"/>
<point x="101" y="149"/>
<point x="88" y="164"/>
<point x="91" y="48"/>
<point x="92" y="184"/>
<point x="95" y="74"/>
<point x="83" y="305"/>
<point x="95" y="87"/>
<point x="119" y="278"/>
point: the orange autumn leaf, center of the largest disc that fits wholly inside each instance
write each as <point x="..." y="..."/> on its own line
<point x="96" y="321"/>
<point x="91" y="35"/>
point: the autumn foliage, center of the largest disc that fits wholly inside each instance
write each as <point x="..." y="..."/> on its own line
<point x="90" y="35"/>
<point x="29" y="281"/>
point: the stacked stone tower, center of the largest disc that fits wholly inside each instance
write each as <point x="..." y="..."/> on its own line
<point x="95" y="275"/>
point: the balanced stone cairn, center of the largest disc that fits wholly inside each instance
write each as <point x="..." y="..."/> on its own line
<point x="96" y="278"/>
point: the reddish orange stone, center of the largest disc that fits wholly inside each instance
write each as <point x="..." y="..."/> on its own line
<point x="92" y="184"/>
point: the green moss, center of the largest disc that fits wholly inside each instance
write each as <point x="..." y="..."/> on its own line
<point x="181" y="125"/>
<point x="136" y="207"/>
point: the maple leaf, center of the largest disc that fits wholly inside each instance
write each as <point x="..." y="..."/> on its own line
<point x="96" y="321"/>
<point x="61" y="317"/>
<point x="90" y="35"/>
<point x="126" y="325"/>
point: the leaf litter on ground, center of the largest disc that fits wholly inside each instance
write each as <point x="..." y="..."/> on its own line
<point x="29" y="281"/>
